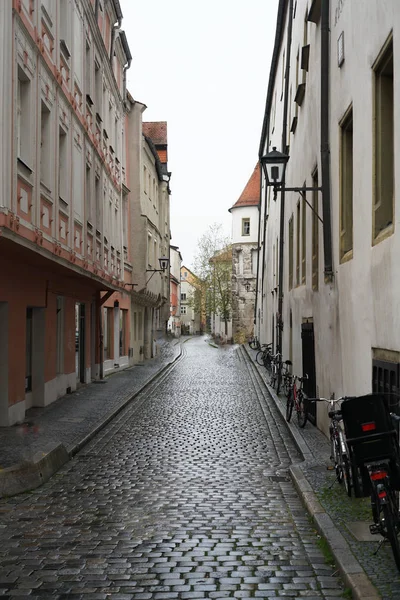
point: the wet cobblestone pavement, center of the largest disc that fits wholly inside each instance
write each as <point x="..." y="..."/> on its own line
<point x="185" y="495"/>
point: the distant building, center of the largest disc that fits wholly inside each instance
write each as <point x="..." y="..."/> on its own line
<point x="244" y="257"/>
<point x="174" y="321"/>
<point x="191" y="321"/>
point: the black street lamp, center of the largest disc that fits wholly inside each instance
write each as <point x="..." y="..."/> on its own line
<point x="274" y="167"/>
<point x="164" y="262"/>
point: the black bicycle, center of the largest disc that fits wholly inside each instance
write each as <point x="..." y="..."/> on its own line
<point x="254" y="343"/>
<point x="373" y="440"/>
<point x="339" y="450"/>
<point x="264" y="356"/>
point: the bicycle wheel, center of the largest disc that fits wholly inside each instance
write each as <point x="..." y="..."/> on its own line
<point x="289" y="406"/>
<point x="278" y="380"/>
<point x="336" y="454"/>
<point x="347" y="479"/>
<point x="272" y="380"/>
<point x="301" y="409"/>
<point x="391" y="517"/>
<point x="267" y="362"/>
<point x="260" y="358"/>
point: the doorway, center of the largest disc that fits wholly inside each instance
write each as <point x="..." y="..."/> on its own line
<point x="80" y="321"/>
<point x="308" y="349"/>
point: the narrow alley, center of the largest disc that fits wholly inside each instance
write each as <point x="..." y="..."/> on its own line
<point x="185" y="494"/>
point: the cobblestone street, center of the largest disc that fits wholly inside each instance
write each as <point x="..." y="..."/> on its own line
<point x="185" y="494"/>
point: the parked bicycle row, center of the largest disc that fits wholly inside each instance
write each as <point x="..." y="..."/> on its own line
<point x="364" y="438"/>
<point x="281" y="379"/>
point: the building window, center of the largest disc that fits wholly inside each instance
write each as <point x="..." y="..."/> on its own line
<point x="63" y="169"/>
<point x="346" y="184"/>
<point x="183" y="297"/>
<point x="291" y="253"/>
<point x="88" y="194"/>
<point x="23" y="118"/>
<point x="45" y="145"/>
<point x="315" y="233"/>
<point x="303" y="241"/>
<point x="298" y="230"/>
<point x="384" y="141"/>
<point x="145" y="179"/>
<point x="183" y="310"/>
<point x="245" y="226"/>
<point x="385" y="378"/>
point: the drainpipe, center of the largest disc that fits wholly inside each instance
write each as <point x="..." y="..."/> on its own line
<point x="282" y="215"/>
<point x="325" y="145"/>
<point x="96" y="10"/>
<point x="115" y="29"/>
<point x="126" y="67"/>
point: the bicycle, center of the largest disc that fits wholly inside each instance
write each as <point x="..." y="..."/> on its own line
<point x="254" y="343"/>
<point x="339" y="451"/>
<point x="373" y="440"/>
<point x="287" y="377"/>
<point x="276" y="372"/>
<point x="296" y="398"/>
<point x="264" y="355"/>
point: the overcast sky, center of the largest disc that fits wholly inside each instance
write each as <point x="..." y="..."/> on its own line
<point x="203" y="68"/>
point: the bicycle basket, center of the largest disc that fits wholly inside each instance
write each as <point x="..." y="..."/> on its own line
<point x="369" y="429"/>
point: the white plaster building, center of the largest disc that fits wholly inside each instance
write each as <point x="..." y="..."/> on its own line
<point x="331" y="288"/>
<point x="245" y="221"/>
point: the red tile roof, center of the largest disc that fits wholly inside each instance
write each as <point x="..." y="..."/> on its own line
<point x="251" y="193"/>
<point x="156" y="131"/>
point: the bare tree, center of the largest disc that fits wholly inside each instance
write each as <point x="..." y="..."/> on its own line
<point x="213" y="266"/>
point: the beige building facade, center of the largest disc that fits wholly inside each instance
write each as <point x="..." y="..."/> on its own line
<point x="327" y="279"/>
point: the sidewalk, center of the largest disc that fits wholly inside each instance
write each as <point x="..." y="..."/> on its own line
<point x="31" y="453"/>
<point x="342" y="521"/>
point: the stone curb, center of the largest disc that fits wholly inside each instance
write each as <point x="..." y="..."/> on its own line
<point x="349" y="567"/>
<point x="30" y="475"/>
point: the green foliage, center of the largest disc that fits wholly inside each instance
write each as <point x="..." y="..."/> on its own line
<point x="213" y="266"/>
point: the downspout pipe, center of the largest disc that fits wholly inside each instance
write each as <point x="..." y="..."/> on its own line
<point x="96" y="10"/>
<point x="282" y="214"/>
<point x="124" y="42"/>
<point x="325" y="142"/>
<point x="116" y="27"/>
